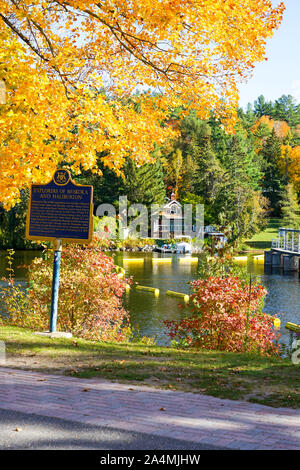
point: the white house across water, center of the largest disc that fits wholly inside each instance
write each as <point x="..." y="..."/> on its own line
<point x="169" y="222"/>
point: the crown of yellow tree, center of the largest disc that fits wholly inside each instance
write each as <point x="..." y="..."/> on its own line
<point x="57" y="57"/>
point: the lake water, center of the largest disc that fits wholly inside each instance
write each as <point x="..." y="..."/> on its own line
<point x="147" y="311"/>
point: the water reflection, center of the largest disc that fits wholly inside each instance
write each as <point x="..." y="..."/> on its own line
<point x="282" y="298"/>
<point x="147" y="311"/>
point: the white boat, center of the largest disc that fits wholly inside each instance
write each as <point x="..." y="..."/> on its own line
<point x="180" y="247"/>
<point x="183" y="247"/>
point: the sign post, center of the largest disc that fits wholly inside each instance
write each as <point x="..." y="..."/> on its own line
<point x="60" y="211"/>
<point x="55" y="285"/>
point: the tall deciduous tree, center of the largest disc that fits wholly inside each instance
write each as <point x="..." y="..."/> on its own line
<point x="174" y="170"/>
<point x="56" y="55"/>
<point x="293" y="165"/>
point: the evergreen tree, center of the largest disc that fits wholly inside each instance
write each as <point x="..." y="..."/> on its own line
<point x="144" y="184"/>
<point x="107" y="187"/>
<point x="219" y="139"/>
<point x="262" y="107"/>
<point x="273" y="180"/>
<point x="202" y="168"/>
<point x="13" y="225"/>
<point x="239" y="205"/>
<point x="285" y="109"/>
<point x="242" y="162"/>
<point x="208" y="175"/>
<point x="247" y="118"/>
<point x="290" y="209"/>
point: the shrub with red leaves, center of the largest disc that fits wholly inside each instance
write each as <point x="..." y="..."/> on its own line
<point x="226" y="316"/>
<point x="90" y="296"/>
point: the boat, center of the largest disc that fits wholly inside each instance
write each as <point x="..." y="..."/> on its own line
<point x="179" y="248"/>
<point x="183" y="247"/>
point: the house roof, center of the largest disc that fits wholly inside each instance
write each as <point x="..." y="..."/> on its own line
<point x="170" y="203"/>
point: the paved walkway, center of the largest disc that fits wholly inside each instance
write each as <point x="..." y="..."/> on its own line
<point x="187" y="416"/>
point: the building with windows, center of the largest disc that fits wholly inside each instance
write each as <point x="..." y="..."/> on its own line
<point x="169" y="221"/>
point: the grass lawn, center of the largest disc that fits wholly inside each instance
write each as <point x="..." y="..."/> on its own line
<point x="263" y="239"/>
<point x="272" y="382"/>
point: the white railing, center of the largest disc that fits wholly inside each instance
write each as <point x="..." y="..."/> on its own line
<point x="286" y="245"/>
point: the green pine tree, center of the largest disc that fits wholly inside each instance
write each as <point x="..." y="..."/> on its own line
<point x="263" y="107"/>
<point x="202" y="173"/>
<point x="144" y="184"/>
<point x="208" y="176"/>
<point x="107" y="187"/>
<point x="290" y="209"/>
<point x="13" y="225"/>
<point x="285" y="109"/>
<point x="272" y="180"/>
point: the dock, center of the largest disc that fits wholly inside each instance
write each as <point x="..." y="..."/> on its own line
<point x="285" y="250"/>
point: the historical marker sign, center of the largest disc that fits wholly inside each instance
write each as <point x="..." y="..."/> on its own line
<point x="60" y="210"/>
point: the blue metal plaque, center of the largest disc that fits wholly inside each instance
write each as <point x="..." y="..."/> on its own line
<point x="61" y="210"/>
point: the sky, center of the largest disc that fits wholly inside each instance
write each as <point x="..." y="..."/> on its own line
<point x="280" y="75"/>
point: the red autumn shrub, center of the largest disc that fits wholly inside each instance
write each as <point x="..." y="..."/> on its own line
<point x="227" y="317"/>
<point x="90" y="296"/>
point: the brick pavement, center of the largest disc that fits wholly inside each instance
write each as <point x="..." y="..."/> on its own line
<point x="181" y="415"/>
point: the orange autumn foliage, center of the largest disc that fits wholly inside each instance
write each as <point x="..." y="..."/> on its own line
<point x="282" y="129"/>
<point x="294" y="167"/>
<point x="57" y="56"/>
<point x="267" y="121"/>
